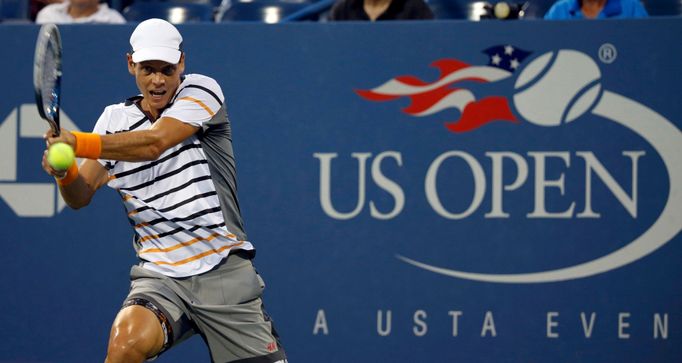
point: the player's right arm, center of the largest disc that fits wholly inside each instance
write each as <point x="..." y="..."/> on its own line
<point x="78" y="193"/>
<point x="78" y="187"/>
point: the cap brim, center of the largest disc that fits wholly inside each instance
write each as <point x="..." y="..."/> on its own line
<point x="167" y="55"/>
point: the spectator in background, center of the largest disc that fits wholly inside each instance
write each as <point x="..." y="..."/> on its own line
<point x="596" y="9"/>
<point x="374" y="10"/>
<point x="79" y="11"/>
<point x="37" y="5"/>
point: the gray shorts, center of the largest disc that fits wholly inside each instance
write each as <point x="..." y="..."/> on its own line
<point x="223" y="305"/>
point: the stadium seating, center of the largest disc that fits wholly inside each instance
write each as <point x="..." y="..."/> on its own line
<point x="459" y="9"/>
<point x="318" y="11"/>
<point x="266" y="11"/>
<point x="663" y="7"/>
<point x="536" y="9"/>
<point x="174" y="12"/>
<point x="273" y="11"/>
<point x="480" y="10"/>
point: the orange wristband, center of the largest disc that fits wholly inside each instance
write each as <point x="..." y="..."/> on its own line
<point x="71" y="175"/>
<point x="88" y="145"/>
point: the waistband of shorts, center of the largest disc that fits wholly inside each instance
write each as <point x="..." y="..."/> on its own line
<point x="245" y="254"/>
<point x="240" y="254"/>
<point x="138" y="271"/>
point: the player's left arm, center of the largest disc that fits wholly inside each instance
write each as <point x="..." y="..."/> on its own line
<point x="143" y="145"/>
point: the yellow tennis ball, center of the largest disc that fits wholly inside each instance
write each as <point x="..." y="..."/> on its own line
<point x="60" y="156"/>
<point x="502" y="10"/>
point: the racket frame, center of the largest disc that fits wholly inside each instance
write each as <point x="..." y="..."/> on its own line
<point x="48" y="37"/>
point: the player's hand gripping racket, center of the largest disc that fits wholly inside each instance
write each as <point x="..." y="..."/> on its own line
<point x="47" y="74"/>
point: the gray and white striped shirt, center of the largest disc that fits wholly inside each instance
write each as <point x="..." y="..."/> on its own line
<point x="183" y="206"/>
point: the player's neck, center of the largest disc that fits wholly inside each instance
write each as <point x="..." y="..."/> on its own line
<point x="151" y="112"/>
<point x="592" y="8"/>
<point x="76" y="11"/>
<point x="374" y="8"/>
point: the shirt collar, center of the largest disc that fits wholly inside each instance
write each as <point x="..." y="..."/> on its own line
<point x="575" y="7"/>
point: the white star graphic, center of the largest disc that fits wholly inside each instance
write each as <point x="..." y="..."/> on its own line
<point x="508" y="49"/>
<point x="514" y="64"/>
<point x="496" y="59"/>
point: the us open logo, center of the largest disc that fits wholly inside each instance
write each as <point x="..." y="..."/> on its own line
<point x="26" y="199"/>
<point x="554" y="89"/>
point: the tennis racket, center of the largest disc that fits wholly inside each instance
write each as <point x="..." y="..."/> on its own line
<point x="47" y="74"/>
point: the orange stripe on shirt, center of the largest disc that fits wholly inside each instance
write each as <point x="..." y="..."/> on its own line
<point x="203" y="105"/>
<point x="201" y="255"/>
<point x="181" y="244"/>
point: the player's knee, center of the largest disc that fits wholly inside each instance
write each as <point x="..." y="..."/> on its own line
<point x="130" y="348"/>
<point x="133" y="337"/>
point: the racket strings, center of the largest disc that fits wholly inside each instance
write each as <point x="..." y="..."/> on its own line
<point x="50" y="78"/>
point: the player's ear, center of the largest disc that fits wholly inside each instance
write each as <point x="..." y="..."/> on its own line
<point x="131" y="64"/>
<point x="181" y="64"/>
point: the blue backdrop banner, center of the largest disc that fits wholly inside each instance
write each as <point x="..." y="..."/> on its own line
<point x="417" y="192"/>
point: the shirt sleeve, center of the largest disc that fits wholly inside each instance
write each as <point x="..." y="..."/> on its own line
<point x="102" y="127"/>
<point x="117" y="18"/>
<point x="47" y="15"/>
<point x="422" y="11"/>
<point x="638" y="10"/>
<point x="196" y="103"/>
<point x="555" y="13"/>
<point x="111" y="16"/>
<point x="333" y="13"/>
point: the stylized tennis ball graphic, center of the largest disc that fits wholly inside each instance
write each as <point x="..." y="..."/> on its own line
<point x="553" y="90"/>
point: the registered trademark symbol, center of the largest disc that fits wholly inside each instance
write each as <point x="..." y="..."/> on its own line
<point x="608" y="53"/>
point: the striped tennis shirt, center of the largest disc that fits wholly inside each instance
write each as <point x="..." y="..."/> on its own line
<point x="183" y="206"/>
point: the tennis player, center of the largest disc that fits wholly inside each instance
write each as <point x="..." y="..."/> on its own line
<point x="168" y="153"/>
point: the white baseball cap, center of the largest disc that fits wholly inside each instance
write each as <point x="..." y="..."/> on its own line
<point x="156" y="39"/>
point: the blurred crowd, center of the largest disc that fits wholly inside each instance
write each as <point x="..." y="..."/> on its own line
<point x="272" y="11"/>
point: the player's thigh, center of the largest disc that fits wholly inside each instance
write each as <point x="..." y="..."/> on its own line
<point x="231" y="316"/>
<point x="138" y="327"/>
<point x="160" y="295"/>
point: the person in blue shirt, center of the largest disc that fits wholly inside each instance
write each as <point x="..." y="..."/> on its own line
<point x="596" y="9"/>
